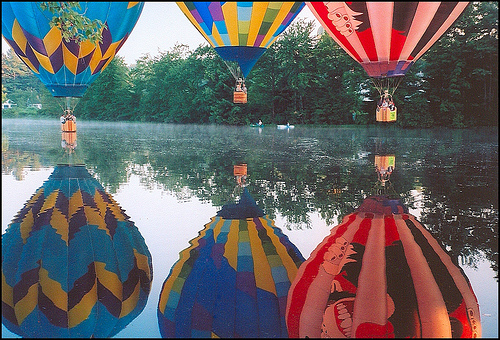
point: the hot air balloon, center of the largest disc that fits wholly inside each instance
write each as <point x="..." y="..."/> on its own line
<point x="386" y="38"/>
<point x="380" y="273"/>
<point x="233" y="280"/>
<point x="67" y="68"/>
<point x="240" y="31"/>
<point x="73" y="264"/>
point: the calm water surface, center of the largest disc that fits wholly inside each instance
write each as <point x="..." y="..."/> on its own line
<point x="171" y="179"/>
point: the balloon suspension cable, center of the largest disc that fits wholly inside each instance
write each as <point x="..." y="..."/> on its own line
<point x="397" y="83"/>
<point x="66" y="105"/>
<point x="388" y="83"/>
<point x="235" y="69"/>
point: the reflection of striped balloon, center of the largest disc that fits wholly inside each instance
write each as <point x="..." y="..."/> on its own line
<point x="67" y="254"/>
<point x="232" y="281"/>
<point x="66" y="68"/>
<point x="380" y="273"/>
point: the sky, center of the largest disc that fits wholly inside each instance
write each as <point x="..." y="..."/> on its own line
<point x="160" y="27"/>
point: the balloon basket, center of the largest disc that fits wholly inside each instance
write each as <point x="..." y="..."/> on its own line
<point x="69" y="137"/>
<point x="384" y="114"/>
<point x="386" y="161"/>
<point x="239" y="97"/>
<point x="68" y="126"/>
<point x="240" y="170"/>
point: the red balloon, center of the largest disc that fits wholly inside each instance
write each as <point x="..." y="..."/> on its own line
<point x="386" y="38"/>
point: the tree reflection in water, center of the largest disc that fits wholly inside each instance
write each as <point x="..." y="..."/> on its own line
<point x="449" y="176"/>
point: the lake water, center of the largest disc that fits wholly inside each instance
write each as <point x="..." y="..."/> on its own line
<point x="171" y="179"/>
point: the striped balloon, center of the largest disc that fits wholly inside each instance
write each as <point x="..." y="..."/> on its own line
<point x="241" y="31"/>
<point x="386" y="38"/>
<point x="73" y="264"/>
<point x="233" y="280"/>
<point x="380" y="273"/>
<point x="66" y="68"/>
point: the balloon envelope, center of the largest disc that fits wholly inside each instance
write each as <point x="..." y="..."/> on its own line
<point x="66" y="68"/>
<point x="386" y="38"/>
<point x="380" y="273"/>
<point x="73" y="264"/>
<point x="241" y="31"/>
<point x="233" y="280"/>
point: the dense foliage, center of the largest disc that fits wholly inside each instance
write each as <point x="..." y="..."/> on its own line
<point x="303" y="78"/>
<point x="73" y="25"/>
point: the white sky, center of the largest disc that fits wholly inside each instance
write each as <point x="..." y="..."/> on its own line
<point x="160" y="26"/>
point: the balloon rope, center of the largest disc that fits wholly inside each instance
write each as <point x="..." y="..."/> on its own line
<point x="235" y="70"/>
<point x="376" y="85"/>
<point x="397" y="84"/>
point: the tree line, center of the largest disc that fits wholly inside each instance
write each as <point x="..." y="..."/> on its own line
<point x="303" y="78"/>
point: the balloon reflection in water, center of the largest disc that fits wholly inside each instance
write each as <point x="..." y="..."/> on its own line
<point x="73" y="264"/>
<point x="380" y="273"/>
<point x="233" y="280"/>
<point x="68" y="141"/>
<point x="384" y="166"/>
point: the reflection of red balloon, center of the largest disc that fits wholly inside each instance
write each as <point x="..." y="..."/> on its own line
<point x="380" y="273"/>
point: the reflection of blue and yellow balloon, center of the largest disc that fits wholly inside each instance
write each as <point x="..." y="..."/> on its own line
<point x="66" y="68"/>
<point x="381" y="274"/>
<point x="241" y="31"/>
<point x="233" y="280"/>
<point x="73" y="264"/>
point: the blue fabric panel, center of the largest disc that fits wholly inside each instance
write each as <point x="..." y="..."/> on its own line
<point x="245" y="56"/>
<point x="269" y="315"/>
<point x="205" y="14"/>
<point x="246" y="316"/>
<point x="225" y="308"/>
<point x="245" y="208"/>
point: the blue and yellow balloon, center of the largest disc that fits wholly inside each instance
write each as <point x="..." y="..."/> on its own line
<point x="67" y="68"/>
<point x="241" y="31"/>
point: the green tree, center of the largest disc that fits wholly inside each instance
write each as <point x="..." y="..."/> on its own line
<point x="20" y="85"/>
<point x="303" y="78"/>
<point x="72" y="24"/>
<point x="264" y="87"/>
<point x="462" y="69"/>
<point x="109" y="97"/>
<point x="411" y="99"/>
<point x="294" y="57"/>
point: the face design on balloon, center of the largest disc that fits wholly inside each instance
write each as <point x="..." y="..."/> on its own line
<point x="337" y="256"/>
<point x="337" y="321"/>
<point x="343" y="21"/>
